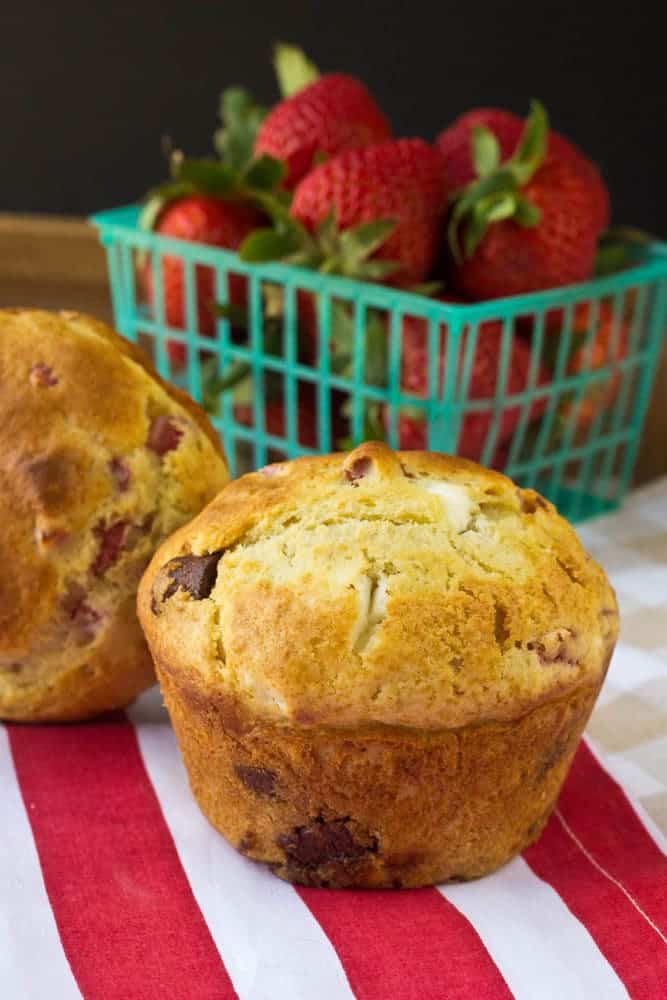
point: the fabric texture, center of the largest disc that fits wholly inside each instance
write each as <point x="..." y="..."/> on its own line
<point x="113" y="885"/>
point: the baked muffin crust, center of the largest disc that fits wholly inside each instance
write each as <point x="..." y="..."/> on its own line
<point x="99" y="461"/>
<point x="412" y="590"/>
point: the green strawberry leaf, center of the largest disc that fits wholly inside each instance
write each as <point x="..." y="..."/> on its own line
<point x="275" y="204"/>
<point x="471" y="205"/>
<point x="375" y="344"/>
<point x="264" y="173"/>
<point x="241" y="117"/>
<point x="610" y="259"/>
<point x="359" y="243"/>
<point x="327" y="234"/>
<point x="375" y="270"/>
<point x="268" y="244"/>
<point x="328" y="250"/>
<point x="372" y="427"/>
<point x="207" y="176"/>
<point x="213" y="384"/>
<point x="293" y="69"/>
<point x="500" y="206"/>
<point x="495" y="193"/>
<point x="526" y="214"/>
<point x="237" y="372"/>
<point x="426" y="288"/>
<point x="501" y="181"/>
<point x="533" y="143"/>
<point x="237" y="315"/>
<point x="475" y="229"/>
<point x="377" y="350"/>
<point x="233" y="374"/>
<point x="618" y="248"/>
<point x="485" y="151"/>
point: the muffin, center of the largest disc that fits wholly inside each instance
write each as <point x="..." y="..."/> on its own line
<point x="100" y="460"/>
<point x="378" y="665"/>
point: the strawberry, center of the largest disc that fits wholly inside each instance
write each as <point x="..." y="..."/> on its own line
<point x="216" y="202"/>
<point x="320" y="116"/>
<point x="456" y="141"/>
<point x="200" y="219"/>
<point x="596" y="343"/>
<point x="475" y="426"/>
<point x="398" y="182"/>
<point x="525" y="224"/>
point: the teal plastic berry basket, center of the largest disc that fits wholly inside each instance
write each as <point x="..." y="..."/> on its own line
<point x="550" y="387"/>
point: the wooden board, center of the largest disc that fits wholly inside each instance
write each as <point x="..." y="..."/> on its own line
<point x="58" y="263"/>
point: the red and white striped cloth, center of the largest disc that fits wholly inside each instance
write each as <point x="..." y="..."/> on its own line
<point x="112" y="884"/>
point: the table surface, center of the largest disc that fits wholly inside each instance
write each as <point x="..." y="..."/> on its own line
<point x="114" y="887"/>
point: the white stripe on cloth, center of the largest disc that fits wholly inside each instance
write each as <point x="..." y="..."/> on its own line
<point x="519" y="917"/>
<point x="270" y="943"/>
<point x="33" y="964"/>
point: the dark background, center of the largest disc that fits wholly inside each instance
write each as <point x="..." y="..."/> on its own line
<point x="87" y="90"/>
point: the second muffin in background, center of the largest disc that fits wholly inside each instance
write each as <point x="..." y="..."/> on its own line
<point x="378" y="665"/>
<point x="100" y="460"/>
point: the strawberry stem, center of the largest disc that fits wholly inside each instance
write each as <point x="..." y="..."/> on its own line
<point x="293" y="69"/>
<point x="495" y="194"/>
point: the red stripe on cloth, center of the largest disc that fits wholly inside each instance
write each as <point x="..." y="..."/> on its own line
<point x="407" y="944"/>
<point x="128" y="921"/>
<point x="594" y="847"/>
<point x="599" y="813"/>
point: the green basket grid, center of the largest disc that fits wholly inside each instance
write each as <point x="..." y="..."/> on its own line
<point x="583" y="475"/>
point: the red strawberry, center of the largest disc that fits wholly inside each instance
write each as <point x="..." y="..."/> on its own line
<point x="201" y="219"/>
<point x="455" y="145"/>
<point x="111" y="540"/>
<point x="594" y="348"/>
<point x="526" y="223"/>
<point x="475" y="426"/>
<point x="400" y="180"/>
<point x="320" y="116"/>
<point x="164" y="434"/>
<point x="511" y="259"/>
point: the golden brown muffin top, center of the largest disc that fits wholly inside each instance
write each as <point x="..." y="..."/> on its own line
<point x="97" y="455"/>
<point x="409" y="589"/>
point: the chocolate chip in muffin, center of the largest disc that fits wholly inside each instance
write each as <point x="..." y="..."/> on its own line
<point x="195" y="574"/>
<point x="324" y="842"/>
<point x="258" y="779"/>
<point x="248" y="842"/>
